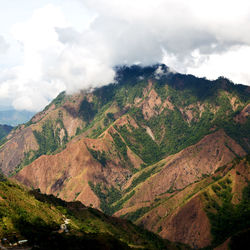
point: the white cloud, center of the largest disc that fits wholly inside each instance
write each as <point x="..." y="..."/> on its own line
<point x="3" y="45"/>
<point x="53" y="61"/>
<point x="75" y="44"/>
<point x="185" y="35"/>
<point x="81" y="67"/>
<point x="24" y="84"/>
<point x="178" y="26"/>
<point x="226" y="65"/>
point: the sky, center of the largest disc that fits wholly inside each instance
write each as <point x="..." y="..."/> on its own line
<point x="47" y="46"/>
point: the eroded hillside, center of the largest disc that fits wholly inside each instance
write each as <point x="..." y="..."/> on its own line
<point x="128" y="146"/>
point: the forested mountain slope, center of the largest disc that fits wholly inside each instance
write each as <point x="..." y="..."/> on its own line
<point x="125" y="147"/>
<point x="45" y="222"/>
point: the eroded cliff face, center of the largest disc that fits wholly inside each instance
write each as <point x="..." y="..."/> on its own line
<point x="189" y="224"/>
<point x="68" y="173"/>
<point x="21" y="142"/>
<point x="183" y="215"/>
<point x="14" y="149"/>
<point x="189" y="165"/>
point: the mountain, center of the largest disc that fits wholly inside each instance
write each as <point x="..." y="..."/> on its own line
<point x="46" y="222"/>
<point x="14" y="117"/>
<point x="144" y="147"/>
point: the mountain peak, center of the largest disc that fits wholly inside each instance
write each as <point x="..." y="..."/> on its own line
<point x="130" y="147"/>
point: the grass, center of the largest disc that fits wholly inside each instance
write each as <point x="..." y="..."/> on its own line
<point x="37" y="217"/>
<point x="226" y="217"/>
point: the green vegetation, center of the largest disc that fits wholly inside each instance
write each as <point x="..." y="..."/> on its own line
<point x="109" y="118"/>
<point x="133" y="216"/>
<point x="46" y="139"/>
<point x="18" y="209"/>
<point x="58" y="101"/>
<point x="93" y="114"/>
<point x="106" y="196"/>
<point x="4" y="130"/>
<point x="87" y="110"/>
<point x="49" y="138"/>
<point x="28" y="158"/>
<point x="141" y="143"/>
<point x="99" y="156"/>
<point x="111" y="199"/>
<point x="178" y="134"/>
<point x="173" y="133"/>
<point x="225" y="217"/>
<point x="141" y="178"/>
<point x="2" y="177"/>
<point x="120" y="145"/>
<point x="37" y="218"/>
<point x="118" y="205"/>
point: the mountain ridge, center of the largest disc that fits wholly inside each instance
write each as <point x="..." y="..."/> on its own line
<point x="76" y="120"/>
<point x="45" y="222"/>
<point x="128" y="146"/>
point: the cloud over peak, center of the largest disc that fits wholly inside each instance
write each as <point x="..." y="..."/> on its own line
<point x="76" y="44"/>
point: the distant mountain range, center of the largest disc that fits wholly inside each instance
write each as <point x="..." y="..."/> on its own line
<point x="167" y="151"/>
<point x="14" y="117"/>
